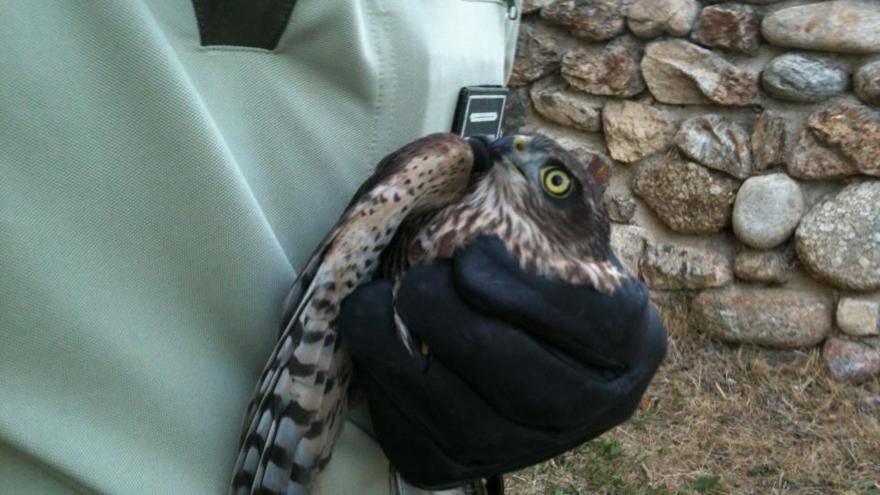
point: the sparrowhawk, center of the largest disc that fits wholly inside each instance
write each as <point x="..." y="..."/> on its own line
<point x="422" y="203"/>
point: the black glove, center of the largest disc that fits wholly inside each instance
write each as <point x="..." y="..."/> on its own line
<point x="521" y="368"/>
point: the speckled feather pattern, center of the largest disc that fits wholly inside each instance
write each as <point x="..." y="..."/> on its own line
<point x="542" y="238"/>
<point x="296" y="413"/>
<point x="419" y="205"/>
<point x="494" y="208"/>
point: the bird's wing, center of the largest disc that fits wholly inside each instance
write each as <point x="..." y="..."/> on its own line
<point x="297" y="410"/>
<point x="384" y="169"/>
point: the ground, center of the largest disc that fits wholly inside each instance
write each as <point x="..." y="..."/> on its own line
<point x="728" y="419"/>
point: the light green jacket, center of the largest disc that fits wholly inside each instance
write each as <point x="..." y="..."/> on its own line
<point x="156" y="197"/>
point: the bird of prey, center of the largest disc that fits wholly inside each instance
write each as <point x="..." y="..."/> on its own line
<point x="422" y="203"/>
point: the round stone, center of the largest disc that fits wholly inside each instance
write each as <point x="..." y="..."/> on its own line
<point x="765" y="266"/>
<point x="867" y="83"/>
<point x="852" y="362"/>
<point x="732" y="27"/>
<point x="677" y="267"/>
<point x="634" y="131"/>
<point x="591" y="20"/>
<point x="651" y="18"/>
<point x="767" y="210"/>
<point x="848" y="26"/>
<point x="858" y="317"/>
<point x="769" y="140"/>
<point x="853" y="130"/>
<point x="811" y="159"/>
<point x="611" y="69"/>
<point x="716" y="143"/>
<point x="775" y="317"/>
<point x="839" y="239"/>
<point x="556" y="102"/>
<point x="803" y="78"/>
<point x="688" y="198"/>
<point x="683" y="73"/>
<point x="537" y="55"/>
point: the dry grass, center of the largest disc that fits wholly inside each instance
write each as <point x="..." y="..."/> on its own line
<point x="725" y="419"/>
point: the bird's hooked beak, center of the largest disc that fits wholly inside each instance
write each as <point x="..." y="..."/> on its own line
<point x="510" y="151"/>
<point x="483" y="160"/>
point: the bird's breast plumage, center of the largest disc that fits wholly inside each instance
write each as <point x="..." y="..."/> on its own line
<point x="499" y="205"/>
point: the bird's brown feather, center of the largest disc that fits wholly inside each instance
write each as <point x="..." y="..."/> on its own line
<point x="297" y="409"/>
<point x="419" y="205"/>
<point x="565" y="244"/>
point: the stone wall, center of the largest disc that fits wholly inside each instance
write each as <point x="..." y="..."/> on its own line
<point x="739" y="148"/>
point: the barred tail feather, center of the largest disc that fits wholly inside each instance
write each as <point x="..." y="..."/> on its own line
<point x="271" y="405"/>
<point x="298" y="408"/>
<point x="300" y="394"/>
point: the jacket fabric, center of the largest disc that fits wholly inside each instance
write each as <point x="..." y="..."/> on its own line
<point x="162" y="176"/>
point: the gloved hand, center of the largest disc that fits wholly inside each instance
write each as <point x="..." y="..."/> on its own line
<point x="521" y="368"/>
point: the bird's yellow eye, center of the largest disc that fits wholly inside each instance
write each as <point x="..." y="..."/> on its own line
<point x="555" y="181"/>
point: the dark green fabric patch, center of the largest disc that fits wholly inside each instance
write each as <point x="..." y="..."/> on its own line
<point x="252" y="23"/>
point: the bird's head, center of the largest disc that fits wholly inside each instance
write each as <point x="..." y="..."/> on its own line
<point x="551" y="190"/>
